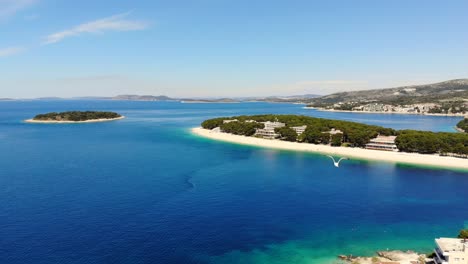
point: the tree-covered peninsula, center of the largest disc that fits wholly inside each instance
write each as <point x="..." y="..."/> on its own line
<point x="313" y="130"/>
<point x="317" y="130"/>
<point x="463" y="125"/>
<point x="76" y="116"/>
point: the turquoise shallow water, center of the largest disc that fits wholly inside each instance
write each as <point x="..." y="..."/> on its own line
<point x="145" y="190"/>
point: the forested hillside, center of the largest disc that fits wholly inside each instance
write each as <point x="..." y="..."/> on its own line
<point x="452" y="90"/>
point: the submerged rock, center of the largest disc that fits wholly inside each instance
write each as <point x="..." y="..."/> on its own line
<point x="398" y="255"/>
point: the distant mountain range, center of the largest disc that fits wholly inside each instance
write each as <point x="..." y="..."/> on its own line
<point x="427" y="93"/>
<point x="133" y="97"/>
<point x="293" y="98"/>
<point x="210" y="100"/>
<point x="49" y="98"/>
<point x="142" y="98"/>
<point x="286" y="99"/>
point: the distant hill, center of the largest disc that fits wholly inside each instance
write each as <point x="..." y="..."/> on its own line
<point x="211" y="100"/>
<point x="301" y="96"/>
<point x="142" y="98"/>
<point x="135" y="97"/>
<point x="6" y="99"/>
<point x="282" y="99"/>
<point x="52" y="98"/>
<point x="448" y="90"/>
<point x="92" y="98"/>
<point x="272" y="99"/>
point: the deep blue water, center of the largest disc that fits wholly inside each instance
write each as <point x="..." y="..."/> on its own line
<point x="145" y="190"/>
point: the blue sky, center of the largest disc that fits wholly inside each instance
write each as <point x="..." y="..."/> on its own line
<point x="227" y="48"/>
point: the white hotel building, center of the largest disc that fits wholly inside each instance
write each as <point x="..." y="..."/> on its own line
<point x="269" y="131"/>
<point x="383" y="143"/>
<point x="451" y="251"/>
<point x="299" y="129"/>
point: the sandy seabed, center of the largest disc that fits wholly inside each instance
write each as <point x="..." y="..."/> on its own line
<point x="358" y="153"/>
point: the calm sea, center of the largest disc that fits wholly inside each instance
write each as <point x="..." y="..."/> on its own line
<point x="144" y="190"/>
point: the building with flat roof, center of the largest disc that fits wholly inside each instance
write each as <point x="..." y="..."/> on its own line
<point x="335" y="131"/>
<point x="383" y="143"/>
<point x="269" y="124"/>
<point x="299" y="129"/>
<point x="268" y="131"/>
<point x="451" y="251"/>
<point x="229" y="121"/>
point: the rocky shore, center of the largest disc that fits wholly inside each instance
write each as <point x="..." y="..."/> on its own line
<point x="393" y="257"/>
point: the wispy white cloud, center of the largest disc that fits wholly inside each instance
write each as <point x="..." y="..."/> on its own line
<point x="9" y="8"/>
<point x="114" y="23"/>
<point x="11" y="51"/>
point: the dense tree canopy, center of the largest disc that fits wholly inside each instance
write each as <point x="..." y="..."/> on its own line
<point x="286" y="133"/>
<point x="213" y="123"/>
<point x="336" y="139"/>
<point x="317" y="128"/>
<point x="463" y="125"/>
<point x="76" y="116"/>
<point x="241" y="128"/>
<point x="427" y="142"/>
<point x="463" y="233"/>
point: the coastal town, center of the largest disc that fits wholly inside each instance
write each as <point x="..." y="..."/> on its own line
<point x="447" y="98"/>
<point x="459" y="108"/>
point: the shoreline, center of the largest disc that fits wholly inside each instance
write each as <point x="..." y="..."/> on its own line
<point x="387" y="256"/>
<point x="207" y="102"/>
<point x="358" y="153"/>
<point x="72" y="122"/>
<point x="394" y="113"/>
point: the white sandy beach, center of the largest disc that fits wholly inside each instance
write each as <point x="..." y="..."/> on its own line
<point x="358" y="153"/>
<point x="73" y="122"/>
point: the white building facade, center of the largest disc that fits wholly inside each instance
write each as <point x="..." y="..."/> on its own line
<point x="451" y="251"/>
<point x="268" y="131"/>
<point x="299" y="129"/>
<point x="383" y="143"/>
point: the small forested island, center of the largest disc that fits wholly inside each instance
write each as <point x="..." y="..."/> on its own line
<point x="463" y="125"/>
<point x="337" y="137"/>
<point x="75" y="117"/>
